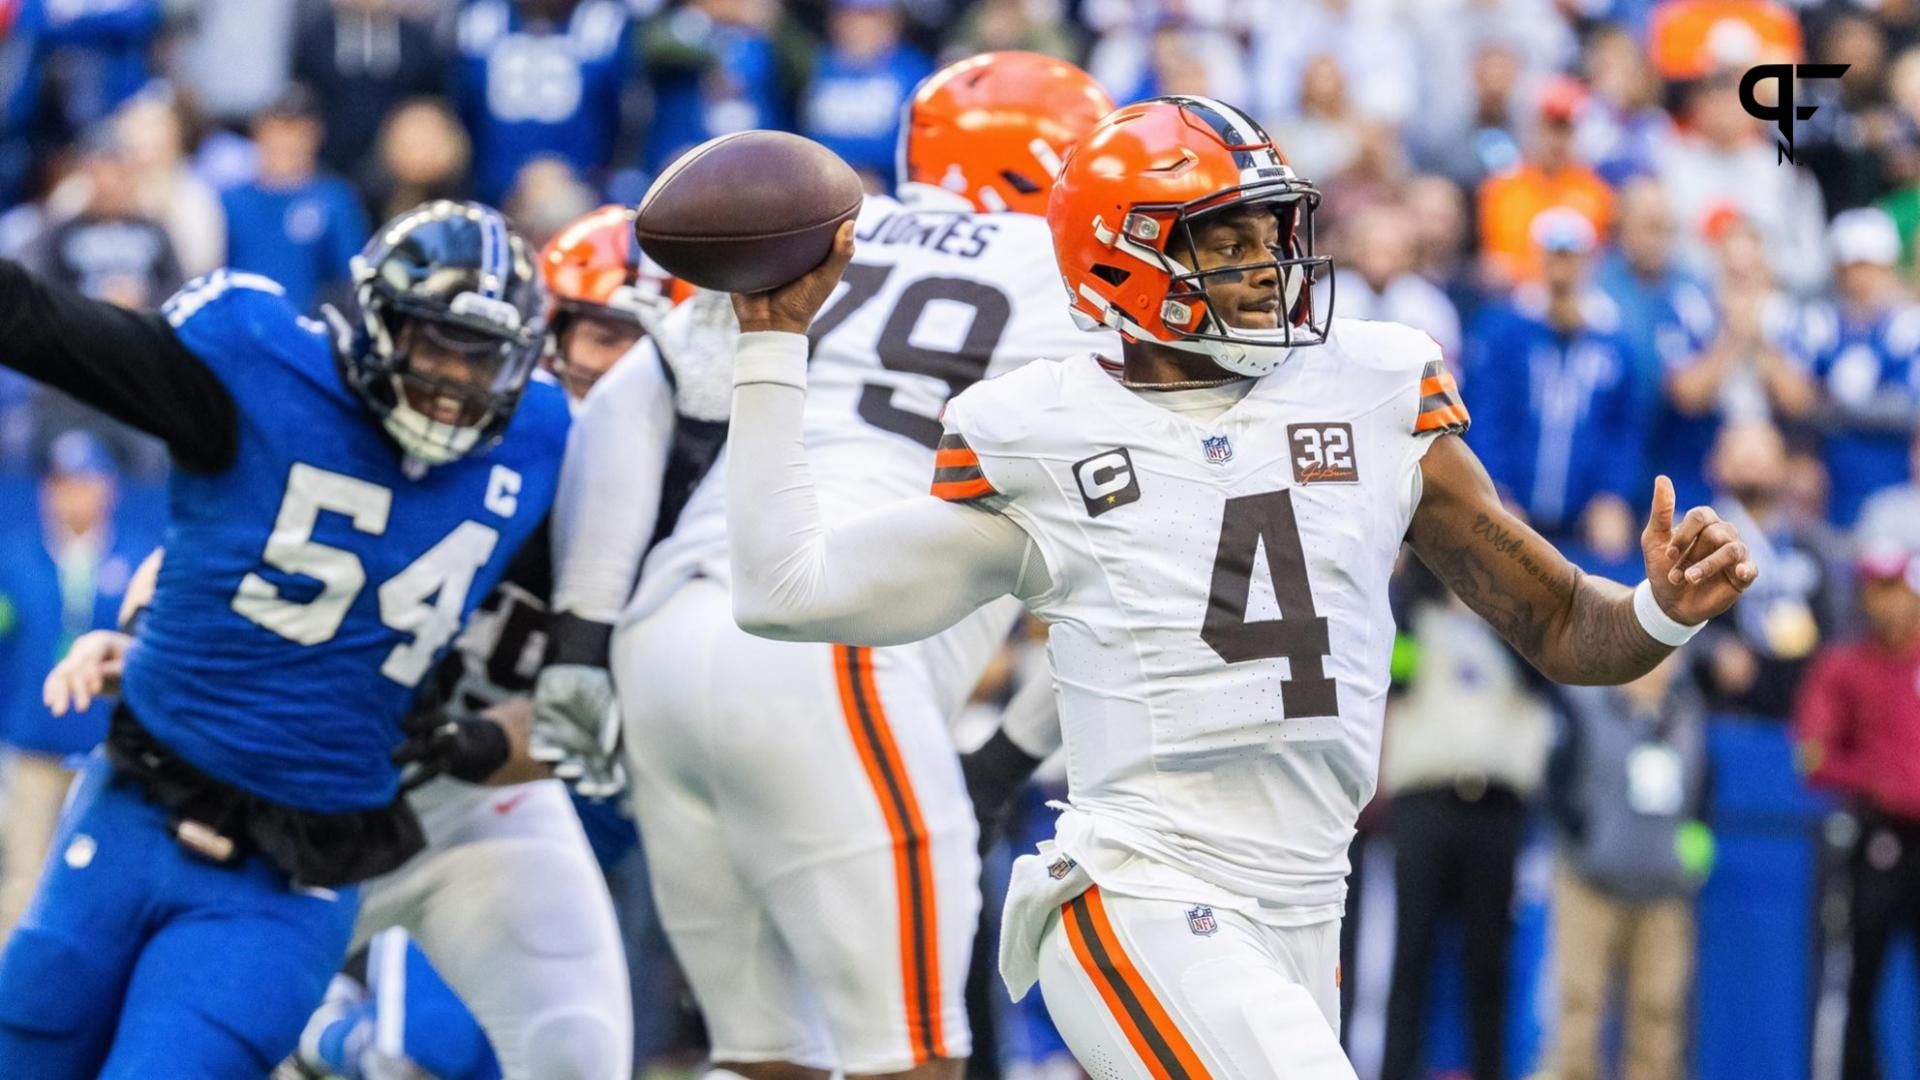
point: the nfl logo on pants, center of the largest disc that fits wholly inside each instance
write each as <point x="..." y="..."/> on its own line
<point x="1200" y="920"/>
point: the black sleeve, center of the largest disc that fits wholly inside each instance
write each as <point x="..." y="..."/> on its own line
<point x="127" y="364"/>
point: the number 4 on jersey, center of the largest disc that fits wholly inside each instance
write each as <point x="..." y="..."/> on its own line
<point x="1250" y="524"/>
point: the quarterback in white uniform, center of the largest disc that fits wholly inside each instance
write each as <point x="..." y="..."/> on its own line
<point x="802" y="808"/>
<point x="1207" y="522"/>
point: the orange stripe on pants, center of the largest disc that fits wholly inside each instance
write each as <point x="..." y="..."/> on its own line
<point x="912" y="861"/>
<point x="1160" y="1045"/>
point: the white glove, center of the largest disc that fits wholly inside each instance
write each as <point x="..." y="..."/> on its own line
<point x="697" y="342"/>
<point x="576" y="729"/>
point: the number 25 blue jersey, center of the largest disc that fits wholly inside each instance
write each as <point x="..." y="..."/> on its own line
<point x="314" y="583"/>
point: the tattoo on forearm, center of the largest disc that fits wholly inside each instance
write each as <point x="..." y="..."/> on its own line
<point x="1573" y="628"/>
<point x="1504" y="541"/>
<point x="1466" y="564"/>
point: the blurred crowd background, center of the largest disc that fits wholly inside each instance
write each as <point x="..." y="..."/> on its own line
<point x="1713" y="872"/>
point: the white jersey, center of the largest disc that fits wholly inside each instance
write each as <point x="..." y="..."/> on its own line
<point x="1219" y="622"/>
<point x="934" y="301"/>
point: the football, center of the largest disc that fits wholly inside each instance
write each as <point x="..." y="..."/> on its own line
<point x="747" y="212"/>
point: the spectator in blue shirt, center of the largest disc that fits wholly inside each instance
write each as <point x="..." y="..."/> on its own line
<point x="859" y="83"/>
<point x="92" y="55"/>
<point x="1863" y="348"/>
<point x="294" y="223"/>
<point x="541" y="78"/>
<point x="1549" y="381"/>
<point x="716" y="67"/>
<point x="1638" y="273"/>
<point x="362" y="58"/>
<point x="1735" y="359"/>
<point x="63" y="573"/>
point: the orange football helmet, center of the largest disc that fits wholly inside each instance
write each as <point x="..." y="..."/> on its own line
<point x="595" y="267"/>
<point x="1122" y="212"/>
<point x="993" y="128"/>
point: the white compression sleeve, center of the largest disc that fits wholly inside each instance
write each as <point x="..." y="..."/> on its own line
<point x="896" y="574"/>
<point x="609" y="495"/>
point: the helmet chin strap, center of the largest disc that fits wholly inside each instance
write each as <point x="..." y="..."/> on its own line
<point x="1249" y="358"/>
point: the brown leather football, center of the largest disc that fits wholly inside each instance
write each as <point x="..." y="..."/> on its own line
<point x="747" y="212"/>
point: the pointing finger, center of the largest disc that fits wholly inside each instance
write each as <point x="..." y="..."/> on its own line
<point x="1660" y="521"/>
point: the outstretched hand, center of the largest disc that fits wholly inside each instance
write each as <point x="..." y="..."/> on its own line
<point x="1698" y="568"/>
<point x="792" y="306"/>
<point x="91" y="669"/>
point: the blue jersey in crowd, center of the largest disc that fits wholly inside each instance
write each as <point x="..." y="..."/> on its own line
<point x="317" y="534"/>
<point x="1859" y="359"/>
<point x="741" y="91"/>
<point x="1681" y="443"/>
<point x="853" y="106"/>
<point x="1647" y="305"/>
<point x="1554" y="415"/>
<point x="98" y="49"/>
<point x="526" y="92"/>
<point x="302" y="237"/>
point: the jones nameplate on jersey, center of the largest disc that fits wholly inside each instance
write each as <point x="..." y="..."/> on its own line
<point x="1107" y="480"/>
<point x="1323" y="454"/>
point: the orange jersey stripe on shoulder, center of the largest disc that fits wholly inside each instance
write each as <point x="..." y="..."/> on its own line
<point x="1439" y="384"/>
<point x="954" y="458"/>
<point x="963" y="490"/>
<point x="1440" y="408"/>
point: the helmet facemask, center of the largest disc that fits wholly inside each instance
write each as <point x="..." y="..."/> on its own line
<point x="1199" y="274"/>
<point x="443" y="384"/>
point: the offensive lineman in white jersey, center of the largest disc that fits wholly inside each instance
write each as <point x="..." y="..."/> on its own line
<point x="802" y="809"/>
<point x="1208" y="528"/>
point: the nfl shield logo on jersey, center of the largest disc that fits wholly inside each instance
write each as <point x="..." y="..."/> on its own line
<point x="1200" y="920"/>
<point x="1060" y="868"/>
<point x="1219" y="450"/>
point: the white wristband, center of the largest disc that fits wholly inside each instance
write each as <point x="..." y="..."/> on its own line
<point x="1660" y="626"/>
<point x="771" y="356"/>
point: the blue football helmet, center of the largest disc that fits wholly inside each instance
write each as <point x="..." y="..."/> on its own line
<point x="452" y="323"/>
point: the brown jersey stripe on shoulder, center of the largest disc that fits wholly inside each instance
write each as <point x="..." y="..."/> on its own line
<point x="1452" y="418"/>
<point x="953" y="440"/>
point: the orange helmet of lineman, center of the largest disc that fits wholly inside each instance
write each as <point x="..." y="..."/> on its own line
<point x="992" y="128"/>
<point x="602" y="294"/>
<point x="1122" y="213"/>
